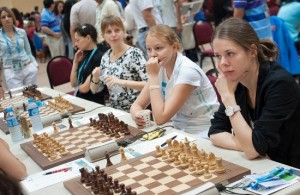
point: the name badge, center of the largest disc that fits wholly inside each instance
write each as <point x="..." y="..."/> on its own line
<point x="17" y="65"/>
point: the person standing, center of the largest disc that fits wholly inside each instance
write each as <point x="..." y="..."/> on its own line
<point x="260" y="109"/>
<point x="290" y="13"/>
<point x="146" y="15"/>
<point x="82" y="12"/>
<point x="256" y="13"/>
<point x="51" y="27"/>
<point x="18" y="65"/>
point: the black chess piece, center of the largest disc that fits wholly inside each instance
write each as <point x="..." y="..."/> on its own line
<point x="70" y="123"/>
<point x="24" y="107"/>
<point x="10" y="95"/>
<point x="108" y="162"/>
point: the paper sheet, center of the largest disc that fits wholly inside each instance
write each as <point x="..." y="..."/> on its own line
<point x="39" y="180"/>
<point x="140" y="149"/>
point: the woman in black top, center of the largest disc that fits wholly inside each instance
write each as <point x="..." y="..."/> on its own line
<point x="260" y="114"/>
<point x="87" y="58"/>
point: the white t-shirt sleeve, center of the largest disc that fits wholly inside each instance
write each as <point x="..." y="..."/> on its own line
<point x="145" y="4"/>
<point x="74" y="16"/>
<point x="189" y="75"/>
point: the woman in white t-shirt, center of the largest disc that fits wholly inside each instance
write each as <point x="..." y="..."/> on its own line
<point x="177" y="88"/>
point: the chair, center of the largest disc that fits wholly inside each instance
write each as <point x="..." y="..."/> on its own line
<point x="203" y="33"/>
<point x="212" y="75"/>
<point x="59" y="70"/>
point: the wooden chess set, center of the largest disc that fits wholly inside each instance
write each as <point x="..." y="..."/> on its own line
<point x="30" y="91"/>
<point x="76" y="139"/>
<point x="176" y="169"/>
<point x="59" y="106"/>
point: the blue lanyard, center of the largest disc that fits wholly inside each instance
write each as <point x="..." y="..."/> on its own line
<point x="79" y="77"/>
<point x="8" y="45"/>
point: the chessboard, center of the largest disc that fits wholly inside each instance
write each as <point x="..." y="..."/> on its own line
<point x="18" y="99"/>
<point x="173" y="172"/>
<point x="46" y="112"/>
<point x="76" y="139"/>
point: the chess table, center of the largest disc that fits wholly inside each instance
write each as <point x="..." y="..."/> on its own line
<point x="45" y="112"/>
<point x="18" y="99"/>
<point x="75" y="141"/>
<point x="149" y="174"/>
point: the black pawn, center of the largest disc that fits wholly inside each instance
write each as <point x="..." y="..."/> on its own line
<point x="108" y="162"/>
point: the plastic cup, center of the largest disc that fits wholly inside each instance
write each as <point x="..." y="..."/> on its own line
<point x="145" y="114"/>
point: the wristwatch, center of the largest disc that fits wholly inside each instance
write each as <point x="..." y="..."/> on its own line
<point x="230" y="110"/>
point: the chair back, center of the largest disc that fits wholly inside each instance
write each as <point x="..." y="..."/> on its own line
<point x="203" y="32"/>
<point x="59" y="70"/>
<point x="212" y="75"/>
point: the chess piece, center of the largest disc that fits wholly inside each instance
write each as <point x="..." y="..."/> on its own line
<point x="70" y="123"/>
<point x="55" y="128"/>
<point x="25" y="127"/>
<point x="187" y="148"/>
<point x="10" y="95"/>
<point x="24" y="107"/>
<point x="108" y="162"/>
<point x="220" y="169"/>
<point x="207" y="174"/>
<point x="170" y="146"/>
<point x="195" y="153"/>
<point x="184" y="163"/>
<point x="122" y="152"/>
<point x="117" y="188"/>
<point x="177" y="161"/>
<point x="158" y="151"/>
<point x="199" y="170"/>
<point x="211" y="161"/>
<point x="164" y="154"/>
<point x="191" y="165"/>
<point x="171" y="157"/>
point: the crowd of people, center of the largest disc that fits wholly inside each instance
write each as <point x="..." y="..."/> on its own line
<point x="259" y="109"/>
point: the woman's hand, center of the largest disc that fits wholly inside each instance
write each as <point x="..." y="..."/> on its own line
<point x="96" y="73"/>
<point x="153" y="66"/>
<point x="110" y="81"/>
<point x="226" y="88"/>
<point x="78" y="56"/>
<point x="139" y="121"/>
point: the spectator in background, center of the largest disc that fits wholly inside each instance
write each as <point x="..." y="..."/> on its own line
<point x="82" y="12"/>
<point x="290" y="13"/>
<point x="130" y="24"/>
<point x="51" y="27"/>
<point x="105" y="8"/>
<point x="256" y="13"/>
<point x="146" y="15"/>
<point x="59" y="11"/>
<point x="65" y="29"/>
<point x="19" y="18"/>
<point x="19" y="66"/>
<point x="171" y="15"/>
<point x="36" y="9"/>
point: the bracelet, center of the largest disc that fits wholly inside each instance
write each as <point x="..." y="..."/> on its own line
<point x="95" y="82"/>
<point x="152" y="87"/>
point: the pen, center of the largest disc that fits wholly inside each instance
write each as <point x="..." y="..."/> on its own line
<point x="59" y="170"/>
<point x="165" y="143"/>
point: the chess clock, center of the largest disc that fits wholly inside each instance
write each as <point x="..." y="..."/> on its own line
<point x="97" y="152"/>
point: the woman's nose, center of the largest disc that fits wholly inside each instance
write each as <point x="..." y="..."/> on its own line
<point x="152" y="53"/>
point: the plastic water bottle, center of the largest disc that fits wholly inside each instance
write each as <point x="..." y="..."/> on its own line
<point x="34" y="115"/>
<point x="13" y="125"/>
